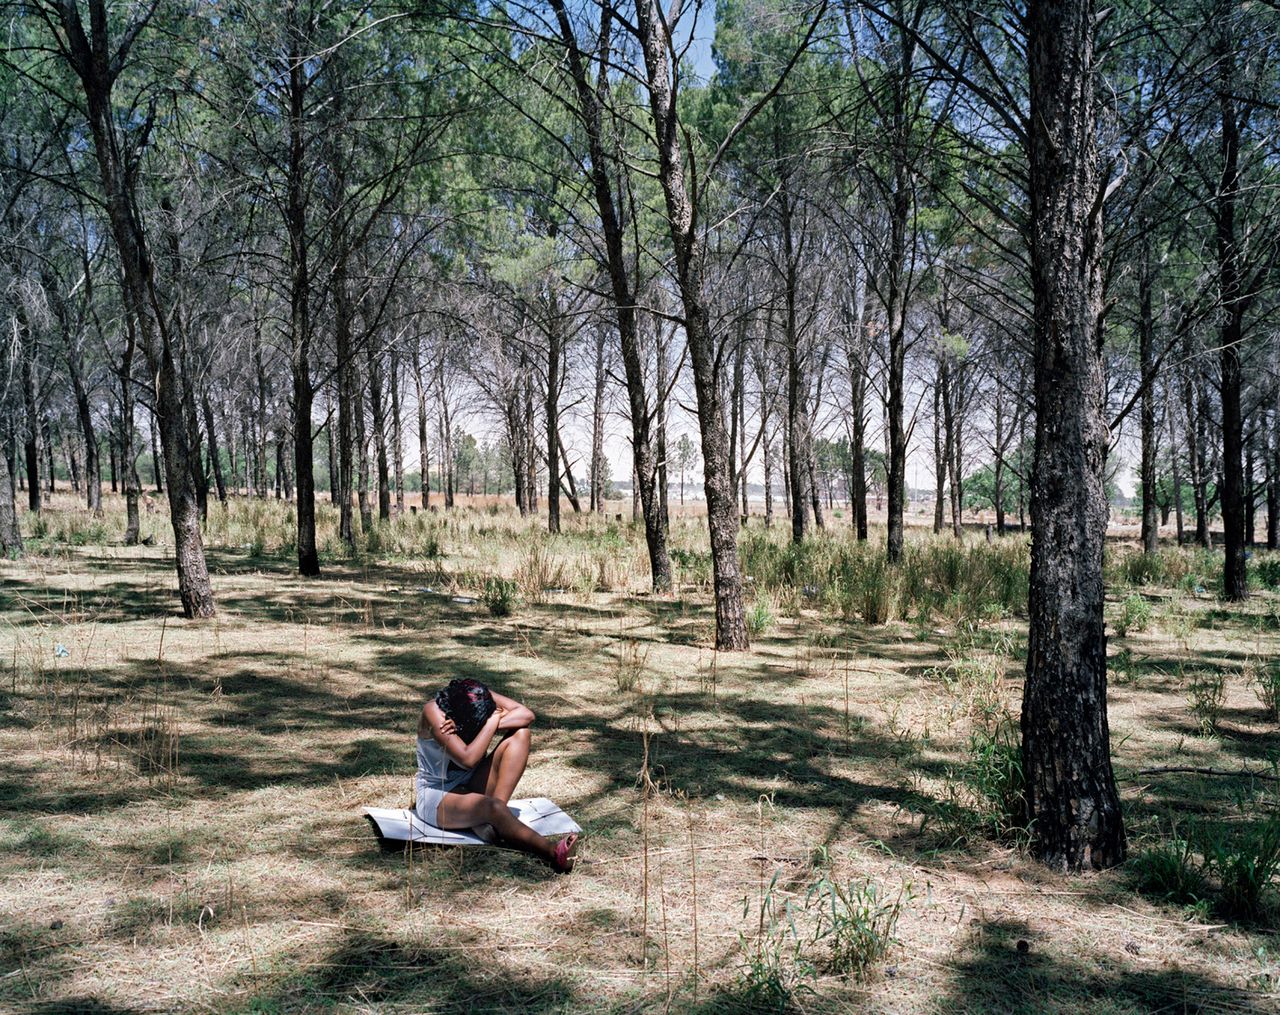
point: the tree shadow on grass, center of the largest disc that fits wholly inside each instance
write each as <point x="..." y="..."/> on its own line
<point x="994" y="976"/>
<point x="371" y="968"/>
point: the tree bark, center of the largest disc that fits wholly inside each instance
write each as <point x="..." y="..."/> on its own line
<point x="592" y="105"/>
<point x="300" y="330"/>
<point x="424" y="457"/>
<point x="92" y="468"/>
<point x="722" y="515"/>
<point x="552" y="411"/>
<point x="597" y="429"/>
<point x="939" y="455"/>
<point x="1234" y="303"/>
<point x="1066" y="747"/>
<point x="397" y="429"/>
<point x="1171" y="412"/>
<point x="97" y="68"/>
<point x="378" y="412"/>
<point x="1146" y="357"/>
<point x="215" y="459"/>
<point x="31" y="420"/>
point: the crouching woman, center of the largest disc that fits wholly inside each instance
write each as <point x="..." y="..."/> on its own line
<point x="461" y="785"/>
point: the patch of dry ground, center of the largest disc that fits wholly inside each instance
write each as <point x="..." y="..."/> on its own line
<point x="180" y="802"/>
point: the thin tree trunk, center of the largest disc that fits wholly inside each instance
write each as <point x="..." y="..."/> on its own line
<point x="1234" y="301"/>
<point x="1146" y="357"/>
<point x="215" y="459"/>
<point x="31" y="421"/>
<point x="660" y="425"/>
<point x="424" y="457"/>
<point x="397" y="430"/>
<point x="297" y="195"/>
<point x="593" y="104"/>
<point x="939" y="457"/>
<point x="1171" y="413"/>
<point x="348" y="403"/>
<point x="722" y="515"/>
<point x="96" y="66"/>
<point x="378" y="412"/>
<point x="597" y="429"/>
<point x="552" y="410"/>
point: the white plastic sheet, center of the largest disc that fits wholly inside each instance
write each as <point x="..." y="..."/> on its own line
<point x="399" y="825"/>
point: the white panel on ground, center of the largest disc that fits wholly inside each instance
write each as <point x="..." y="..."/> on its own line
<point x="399" y="825"/>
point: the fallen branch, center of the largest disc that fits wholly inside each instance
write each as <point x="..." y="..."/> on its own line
<point x="1244" y="772"/>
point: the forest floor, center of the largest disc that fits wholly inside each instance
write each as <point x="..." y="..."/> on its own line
<point x="180" y="802"/>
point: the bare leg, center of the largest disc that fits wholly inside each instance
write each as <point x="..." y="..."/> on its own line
<point x="466" y="810"/>
<point x="499" y="773"/>
<point x="510" y="759"/>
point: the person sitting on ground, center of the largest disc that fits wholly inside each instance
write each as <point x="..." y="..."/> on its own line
<point x="460" y="785"/>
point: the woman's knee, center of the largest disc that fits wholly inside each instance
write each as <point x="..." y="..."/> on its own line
<point x="522" y="736"/>
<point x="492" y="808"/>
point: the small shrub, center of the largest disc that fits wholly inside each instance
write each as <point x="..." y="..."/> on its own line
<point x="694" y="565"/>
<point x="855" y="922"/>
<point x="500" y="596"/>
<point x="632" y="661"/>
<point x="1205" y="696"/>
<point x="1247" y="865"/>
<point x="760" y="617"/>
<point x="1266" y="685"/>
<point x="1265" y="573"/>
<point x="539" y="572"/>
<point x="875" y="591"/>
<point x="773" y="965"/>
<point x="995" y="779"/>
<point x="1135" y="615"/>
<point x="1170" y="872"/>
<point x="1144" y="569"/>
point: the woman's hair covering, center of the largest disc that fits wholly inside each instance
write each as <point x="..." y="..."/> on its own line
<point x="468" y="703"/>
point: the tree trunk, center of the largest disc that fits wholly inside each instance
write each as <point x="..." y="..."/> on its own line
<point x="552" y="409"/>
<point x="798" y="437"/>
<point x="348" y="404"/>
<point x="722" y="514"/>
<point x="128" y="445"/>
<point x="31" y="421"/>
<point x="1146" y="356"/>
<point x="1173" y="465"/>
<point x="592" y="106"/>
<point x="300" y="313"/>
<point x="92" y="469"/>
<point x="1066" y="746"/>
<point x="1273" y="478"/>
<point x="1195" y="454"/>
<point x="397" y="430"/>
<point x="378" y="412"/>
<point x="597" y="429"/>
<point x="215" y="459"/>
<point x="952" y="384"/>
<point x="660" y="425"/>
<point x="1234" y="302"/>
<point x="939" y="456"/>
<point x="10" y="530"/>
<point x="95" y="64"/>
<point x="362" y="457"/>
<point x="424" y="457"/>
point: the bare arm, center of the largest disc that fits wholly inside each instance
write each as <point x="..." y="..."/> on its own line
<point x="515" y="716"/>
<point x="442" y="729"/>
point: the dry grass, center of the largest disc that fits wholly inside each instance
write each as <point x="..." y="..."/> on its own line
<point x="179" y="802"/>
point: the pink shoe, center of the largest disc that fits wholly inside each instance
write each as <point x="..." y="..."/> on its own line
<point x="565" y="854"/>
